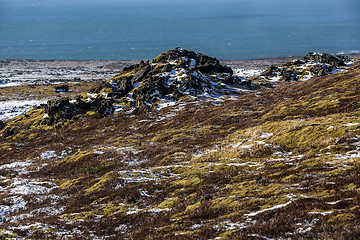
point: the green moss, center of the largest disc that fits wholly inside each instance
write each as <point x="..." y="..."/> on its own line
<point x="187" y="181"/>
<point x="192" y="208"/>
<point x="5" y="146"/>
<point x="227" y="203"/>
<point x="101" y="182"/>
<point x="342" y="218"/>
<point x="110" y="209"/>
<point x="121" y="75"/>
<point x="66" y="183"/>
<point x="93" y="114"/>
<point x="77" y="216"/>
<point x="226" y="235"/>
<point x="352" y="187"/>
<point x="75" y="157"/>
<point x="169" y="203"/>
<point x="322" y="193"/>
<point x="291" y="178"/>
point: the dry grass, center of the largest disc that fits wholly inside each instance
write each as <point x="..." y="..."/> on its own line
<point x="213" y="159"/>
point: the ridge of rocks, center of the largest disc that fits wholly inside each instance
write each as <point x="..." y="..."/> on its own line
<point x="172" y="75"/>
<point x="313" y="64"/>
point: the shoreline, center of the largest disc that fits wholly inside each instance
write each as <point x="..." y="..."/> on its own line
<point x="355" y="55"/>
<point x="16" y="72"/>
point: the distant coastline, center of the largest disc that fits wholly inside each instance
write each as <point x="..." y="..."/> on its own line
<point x="257" y="63"/>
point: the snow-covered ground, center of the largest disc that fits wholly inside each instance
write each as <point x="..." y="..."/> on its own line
<point x="11" y="109"/>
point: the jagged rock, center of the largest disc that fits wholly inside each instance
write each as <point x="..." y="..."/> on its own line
<point x="2" y="124"/>
<point x="321" y="70"/>
<point x="314" y="64"/>
<point x="271" y="71"/>
<point x="170" y="76"/>
<point x="332" y="60"/>
<point x="289" y="74"/>
<point x="64" y="109"/>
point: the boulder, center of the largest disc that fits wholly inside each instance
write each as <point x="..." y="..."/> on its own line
<point x="62" y="88"/>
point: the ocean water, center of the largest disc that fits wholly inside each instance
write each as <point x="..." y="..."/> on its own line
<point x="141" y="29"/>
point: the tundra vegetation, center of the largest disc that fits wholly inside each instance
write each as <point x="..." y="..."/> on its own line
<point x="241" y="162"/>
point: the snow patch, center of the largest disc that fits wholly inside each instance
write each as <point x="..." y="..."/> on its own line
<point x="351" y="124"/>
<point x="11" y="109"/>
<point x="48" y="154"/>
<point x="268" y="209"/>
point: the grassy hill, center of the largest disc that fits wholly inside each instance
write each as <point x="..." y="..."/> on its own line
<point x="278" y="163"/>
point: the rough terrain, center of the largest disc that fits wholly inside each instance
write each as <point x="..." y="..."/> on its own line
<point x="265" y="161"/>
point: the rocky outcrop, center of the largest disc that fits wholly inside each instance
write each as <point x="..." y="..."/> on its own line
<point x="2" y="124"/>
<point x="9" y="131"/>
<point x="335" y="61"/>
<point x="313" y="64"/>
<point x="173" y="74"/>
<point x="65" y="109"/>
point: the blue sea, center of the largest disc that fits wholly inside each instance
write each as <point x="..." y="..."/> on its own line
<point x="141" y="29"/>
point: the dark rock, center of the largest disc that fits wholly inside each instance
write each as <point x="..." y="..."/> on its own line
<point x="62" y="109"/>
<point x="2" y="124"/>
<point x="62" y="88"/>
<point x="295" y="62"/>
<point x="332" y="60"/>
<point x="314" y="63"/>
<point x="8" y="132"/>
<point x="170" y="76"/>
<point x="289" y="74"/>
<point x="271" y="71"/>
<point x="321" y="70"/>
<point x="159" y="79"/>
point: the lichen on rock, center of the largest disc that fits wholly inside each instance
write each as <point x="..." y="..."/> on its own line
<point x="173" y="74"/>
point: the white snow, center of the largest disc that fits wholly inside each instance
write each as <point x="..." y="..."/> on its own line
<point x="16" y="166"/>
<point x="322" y="213"/>
<point x="351" y="124"/>
<point x="23" y="186"/>
<point x="165" y="104"/>
<point x="266" y="135"/>
<point x="157" y="210"/>
<point x="18" y="203"/>
<point x="192" y="63"/>
<point x="246" y="73"/>
<point x="11" y="109"/>
<point x="48" y="154"/>
<point x="268" y="209"/>
<point x="93" y="95"/>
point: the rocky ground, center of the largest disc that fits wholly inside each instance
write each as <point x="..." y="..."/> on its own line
<point x="262" y="161"/>
<point x="28" y="82"/>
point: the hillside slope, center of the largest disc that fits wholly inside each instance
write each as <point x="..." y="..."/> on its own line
<point x="267" y="163"/>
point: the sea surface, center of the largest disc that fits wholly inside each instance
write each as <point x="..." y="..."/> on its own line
<point x="141" y="29"/>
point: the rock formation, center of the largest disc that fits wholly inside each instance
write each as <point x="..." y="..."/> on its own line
<point x="173" y="74"/>
<point x="313" y="64"/>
